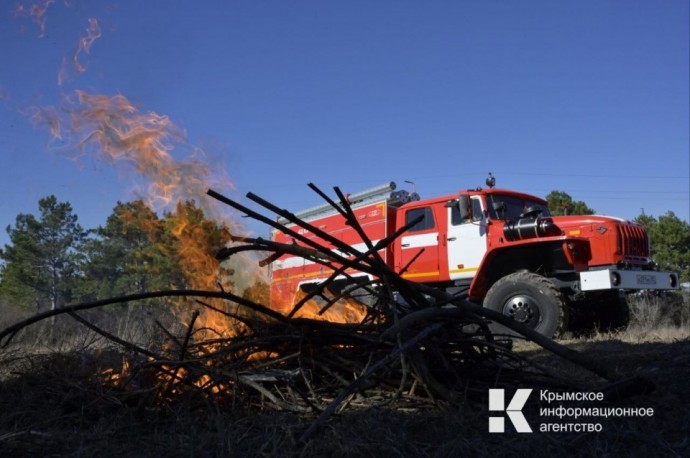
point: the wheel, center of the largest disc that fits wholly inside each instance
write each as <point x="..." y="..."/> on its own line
<point x="529" y="299"/>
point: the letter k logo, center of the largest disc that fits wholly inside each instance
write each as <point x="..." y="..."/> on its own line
<point x="514" y="410"/>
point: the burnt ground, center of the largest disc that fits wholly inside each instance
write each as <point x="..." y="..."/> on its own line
<point x="50" y="406"/>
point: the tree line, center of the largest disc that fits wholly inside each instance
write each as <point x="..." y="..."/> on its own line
<point x="669" y="236"/>
<point x="52" y="260"/>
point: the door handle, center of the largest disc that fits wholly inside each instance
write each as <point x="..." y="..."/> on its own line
<point x="452" y="239"/>
<point x="405" y="245"/>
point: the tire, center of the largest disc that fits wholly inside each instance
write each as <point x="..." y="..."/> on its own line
<point x="530" y="299"/>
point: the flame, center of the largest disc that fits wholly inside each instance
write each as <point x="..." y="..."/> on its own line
<point x="113" y="130"/>
<point x="197" y="239"/>
<point x="117" y="376"/>
<point x="343" y="311"/>
<point x="93" y="32"/>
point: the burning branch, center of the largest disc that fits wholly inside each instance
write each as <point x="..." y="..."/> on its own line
<point x="420" y="346"/>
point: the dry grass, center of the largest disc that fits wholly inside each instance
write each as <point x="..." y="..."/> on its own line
<point x="53" y="405"/>
<point x="53" y="408"/>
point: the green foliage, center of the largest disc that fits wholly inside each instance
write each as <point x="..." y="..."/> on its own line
<point x="52" y="261"/>
<point x="129" y="255"/>
<point x="43" y="263"/>
<point x="560" y="203"/>
<point x="669" y="240"/>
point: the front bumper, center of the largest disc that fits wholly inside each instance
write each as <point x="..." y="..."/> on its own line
<point x="612" y="278"/>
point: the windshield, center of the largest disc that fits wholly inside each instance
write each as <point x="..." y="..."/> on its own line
<point x="512" y="207"/>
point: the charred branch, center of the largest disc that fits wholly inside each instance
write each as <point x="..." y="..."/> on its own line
<point x="416" y="343"/>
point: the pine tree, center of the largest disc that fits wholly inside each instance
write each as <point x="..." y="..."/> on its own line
<point x="669" y="240"/>
<point x="560" y="203"/>
<point x="43" y="262"/>
<point x="128" y="255"/>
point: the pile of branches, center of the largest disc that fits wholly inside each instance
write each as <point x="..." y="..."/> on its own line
<point x="417" y="346"/>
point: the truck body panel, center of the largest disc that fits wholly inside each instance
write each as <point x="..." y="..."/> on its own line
<point x="474" y="238"/>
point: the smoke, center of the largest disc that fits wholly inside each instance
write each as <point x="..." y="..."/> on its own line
<point x="113" y="130"/>
<point x="37" y="12"/>
<point x="93" y="32"/>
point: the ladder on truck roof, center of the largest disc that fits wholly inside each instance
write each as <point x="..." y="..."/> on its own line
<point x="360" y="199"/>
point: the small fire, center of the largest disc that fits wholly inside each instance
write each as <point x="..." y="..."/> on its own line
<point x="343" y="311"/>
<point x="116" y="377"/>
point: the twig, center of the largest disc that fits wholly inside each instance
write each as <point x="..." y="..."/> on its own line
<point x="112" y="337"/>
<point x="9" y="332"/>
<point x="183" y="352"/>
<point x="357" y="384"/>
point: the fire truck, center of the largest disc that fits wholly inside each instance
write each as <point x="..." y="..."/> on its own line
<point x="497" y="247"/>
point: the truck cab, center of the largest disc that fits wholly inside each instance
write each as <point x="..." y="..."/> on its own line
<point x="505" y="250"/>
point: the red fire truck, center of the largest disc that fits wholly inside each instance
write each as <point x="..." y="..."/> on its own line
<point x="499" y="247"/>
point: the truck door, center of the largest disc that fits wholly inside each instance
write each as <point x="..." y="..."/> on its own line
<point x="420" y="241"/>
<point x="466" y="241"/>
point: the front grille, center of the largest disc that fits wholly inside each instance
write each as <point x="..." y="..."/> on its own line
<point x="632" y="241"/>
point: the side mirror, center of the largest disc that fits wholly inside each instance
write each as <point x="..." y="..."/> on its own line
<point x="464" y="207"/>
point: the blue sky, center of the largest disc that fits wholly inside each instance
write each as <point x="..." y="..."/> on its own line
<point x="588" y="97"/>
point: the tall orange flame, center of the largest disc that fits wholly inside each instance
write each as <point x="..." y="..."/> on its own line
<point x="112" y="129"/>
<point x="115" y="131"/>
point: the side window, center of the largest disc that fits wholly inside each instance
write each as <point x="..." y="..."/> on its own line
<point x="455" y="219"/>
<point x="476" y="210"/>
<point x="424" y="224"/>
